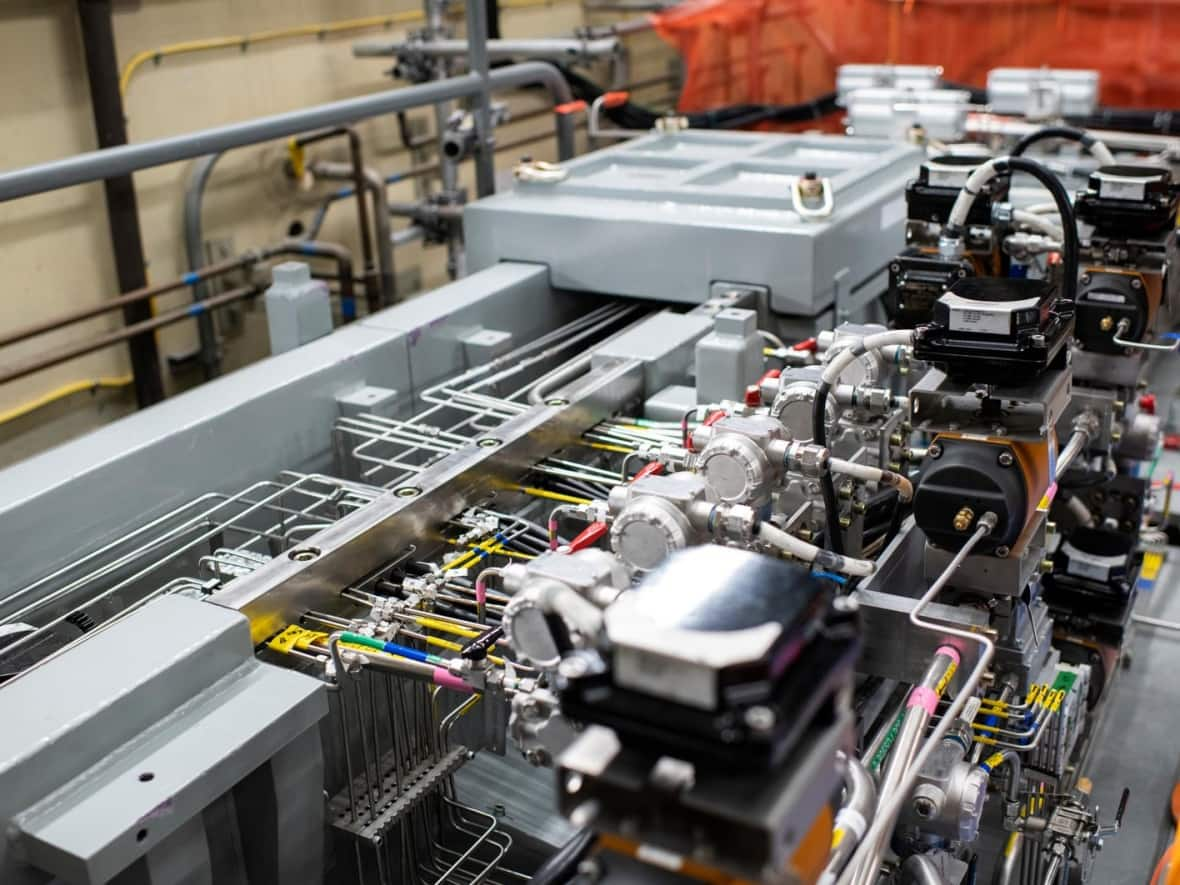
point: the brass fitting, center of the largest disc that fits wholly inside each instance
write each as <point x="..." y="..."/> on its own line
<point x="963" y="519"/>
<point x="1106" y="323"/>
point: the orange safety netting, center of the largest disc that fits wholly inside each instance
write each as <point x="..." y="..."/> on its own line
<point x="786" y="51"/>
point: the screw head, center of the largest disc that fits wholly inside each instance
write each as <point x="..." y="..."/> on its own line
<point x="760" y="719"/>
<point x="408" y="492"/>
<point x="1002" y="551"/>
<point x="557" y="401"/>
<point x="924" y="808"/>
<point x="935" y="450"/>
<point x="1006" y="459"/>
<point x="304" y="554"/>
<point x="488" y="443"/>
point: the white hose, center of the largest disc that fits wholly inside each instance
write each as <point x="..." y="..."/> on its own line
<point x="800" y="549"/>
<point x="1039" y="223"/>
<point x="889" y="806"/>
<point x="975" y="182"/>
<point x="1101" y="153"/>
<point x="879" y="341"/>
<point x="873" y="474"/>
<point x="1049" y="208"/>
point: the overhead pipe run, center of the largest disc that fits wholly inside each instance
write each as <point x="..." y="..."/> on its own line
<point x="303" y="248"/>
<point x="115" y="161"/>
<point x="555" y="49"/>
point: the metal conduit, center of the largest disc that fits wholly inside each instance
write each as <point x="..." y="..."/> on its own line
<point x="103" y="164"/>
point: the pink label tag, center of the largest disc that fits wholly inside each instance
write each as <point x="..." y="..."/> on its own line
<point x="448" y="680"/>
<point x="926" y="698"/>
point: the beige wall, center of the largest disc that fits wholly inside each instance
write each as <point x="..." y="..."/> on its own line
<point x="55" y="246"/>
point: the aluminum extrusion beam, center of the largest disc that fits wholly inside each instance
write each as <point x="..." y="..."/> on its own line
<point x="280" y="592"/>
<point x="103" y="164"/>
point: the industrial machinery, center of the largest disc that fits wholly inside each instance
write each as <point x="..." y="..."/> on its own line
<point x="644" y="552"/>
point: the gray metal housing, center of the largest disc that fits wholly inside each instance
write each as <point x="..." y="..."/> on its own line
<point x="667" y="216"/>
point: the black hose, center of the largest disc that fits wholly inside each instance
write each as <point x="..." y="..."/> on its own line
<point x="1065" y="133"/>
<point x="819" y="432"/>
<point x="1069" y="224"/>
<point x="978" y="96"/>
<point x="1161" y="122"/>
<point x="630" y="115"/>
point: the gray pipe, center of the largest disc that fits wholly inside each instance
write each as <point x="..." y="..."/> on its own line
<point x="860" y="799"/>
<point x="918" y="869"/>
<point x="99" y="165"/>
<point x="1010" y="859"/>
<point x="479" y="64"/>
<point x="375" y="185"/>
<point x="555" y="49"/>
<point x="194" y="242"/>
<point x="407" y="235"/>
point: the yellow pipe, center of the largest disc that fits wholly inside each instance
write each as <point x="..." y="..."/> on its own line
<point x="319" y="30"/>
<point x="91" y="384"/>
<point x="606" y="447"/>
<point x="553" y="496"/>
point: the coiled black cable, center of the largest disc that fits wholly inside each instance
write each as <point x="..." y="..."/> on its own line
<point x="1069" y="224"/>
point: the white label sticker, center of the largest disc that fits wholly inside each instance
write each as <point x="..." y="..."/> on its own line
<point x="893" y="213"/>
<point x="956" y="176"/>
<point x="1115" y="189"/>
<point x="1106" y="297"/>
<point x="966" y="319"/>
<point x="1086" y="567"/>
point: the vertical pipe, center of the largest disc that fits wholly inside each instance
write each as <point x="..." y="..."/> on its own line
<point x="477" y="63"/>
<point x="194" y="247"/>
<point x="102" y="71"/>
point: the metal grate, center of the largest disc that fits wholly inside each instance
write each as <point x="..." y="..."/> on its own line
<point x="196" y="548"/>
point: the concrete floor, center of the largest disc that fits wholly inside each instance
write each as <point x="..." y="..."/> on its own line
<point x="1138" y="743"/>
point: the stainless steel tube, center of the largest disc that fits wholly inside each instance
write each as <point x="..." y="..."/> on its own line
<point x="1006" y="871"/>
<point x="559" y="377"/>
<point x="99" y="165"/>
